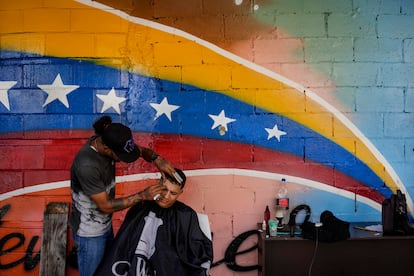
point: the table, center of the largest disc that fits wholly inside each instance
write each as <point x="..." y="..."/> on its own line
<point x="365" y="253"/>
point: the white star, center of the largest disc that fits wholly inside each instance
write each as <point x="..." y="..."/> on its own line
<point x="274" y="132"/>
<point x="57" y="91"/>
<point x="111" y="100"/>
<point x="221" y="120"/>
<point x="164" y="108"/>
<point x="4" y="96"/>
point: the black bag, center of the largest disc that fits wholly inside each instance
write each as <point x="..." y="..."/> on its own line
<point x="395" y="219"/>
<point x="331" y="230"/>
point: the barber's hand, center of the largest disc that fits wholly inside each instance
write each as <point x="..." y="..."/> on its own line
<point x="151" y="192"/>
<point x="164" y="166"/>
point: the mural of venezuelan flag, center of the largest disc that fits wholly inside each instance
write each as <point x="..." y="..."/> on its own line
<point x="207" y="110"/>
<point x="85" y="59"/>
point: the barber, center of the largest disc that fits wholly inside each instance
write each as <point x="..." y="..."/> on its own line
<point x="93" y="188"/>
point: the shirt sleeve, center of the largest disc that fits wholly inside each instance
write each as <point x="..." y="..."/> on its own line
<point x="90" y="180"/>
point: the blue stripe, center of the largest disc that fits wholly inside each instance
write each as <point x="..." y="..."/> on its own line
<point x="27" y="113"/>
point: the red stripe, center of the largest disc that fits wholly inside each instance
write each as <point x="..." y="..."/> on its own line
<point x="40" y="159"/>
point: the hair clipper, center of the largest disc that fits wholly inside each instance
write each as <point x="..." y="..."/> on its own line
<point x="178" y="178"/>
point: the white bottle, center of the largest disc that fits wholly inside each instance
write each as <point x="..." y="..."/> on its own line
<point x="282" y="192"/>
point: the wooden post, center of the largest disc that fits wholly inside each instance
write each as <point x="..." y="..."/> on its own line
<point x="53" y="252"/>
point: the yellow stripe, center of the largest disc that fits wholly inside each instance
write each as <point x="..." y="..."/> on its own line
<point x="69" y="29"/>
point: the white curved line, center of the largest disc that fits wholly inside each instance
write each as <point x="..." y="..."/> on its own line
<point x="205" y="172"/>
<point x="35" y="188"/>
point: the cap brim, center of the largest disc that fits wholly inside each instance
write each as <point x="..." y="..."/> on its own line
<point x="128" y="157"/>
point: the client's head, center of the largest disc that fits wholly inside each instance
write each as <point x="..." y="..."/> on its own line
<point x="173" y="189"/>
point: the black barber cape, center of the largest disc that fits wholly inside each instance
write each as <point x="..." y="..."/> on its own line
<point x="157" y="241"/>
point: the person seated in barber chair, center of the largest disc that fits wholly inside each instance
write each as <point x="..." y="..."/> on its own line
<point x="160" y="237"/>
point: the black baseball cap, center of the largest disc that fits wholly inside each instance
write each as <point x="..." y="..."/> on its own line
<point x="118" y="138"/>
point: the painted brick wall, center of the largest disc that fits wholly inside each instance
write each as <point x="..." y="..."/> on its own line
<point x="334" y="76"/>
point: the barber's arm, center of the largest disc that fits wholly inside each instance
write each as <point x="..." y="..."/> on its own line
<point x="163" y="165"/>
<point x="107" y="205"/>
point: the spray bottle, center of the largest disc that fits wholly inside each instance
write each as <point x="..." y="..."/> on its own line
<point x="266" y="218"/>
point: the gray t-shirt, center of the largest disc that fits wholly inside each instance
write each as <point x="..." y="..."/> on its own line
<point x="91" y="173"/>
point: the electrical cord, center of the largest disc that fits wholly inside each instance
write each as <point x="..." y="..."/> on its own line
<point x="232" y="251"/>
<point x="317" y="226"/>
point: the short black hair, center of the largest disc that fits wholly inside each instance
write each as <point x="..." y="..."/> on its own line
<point x="173" y="180"/>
